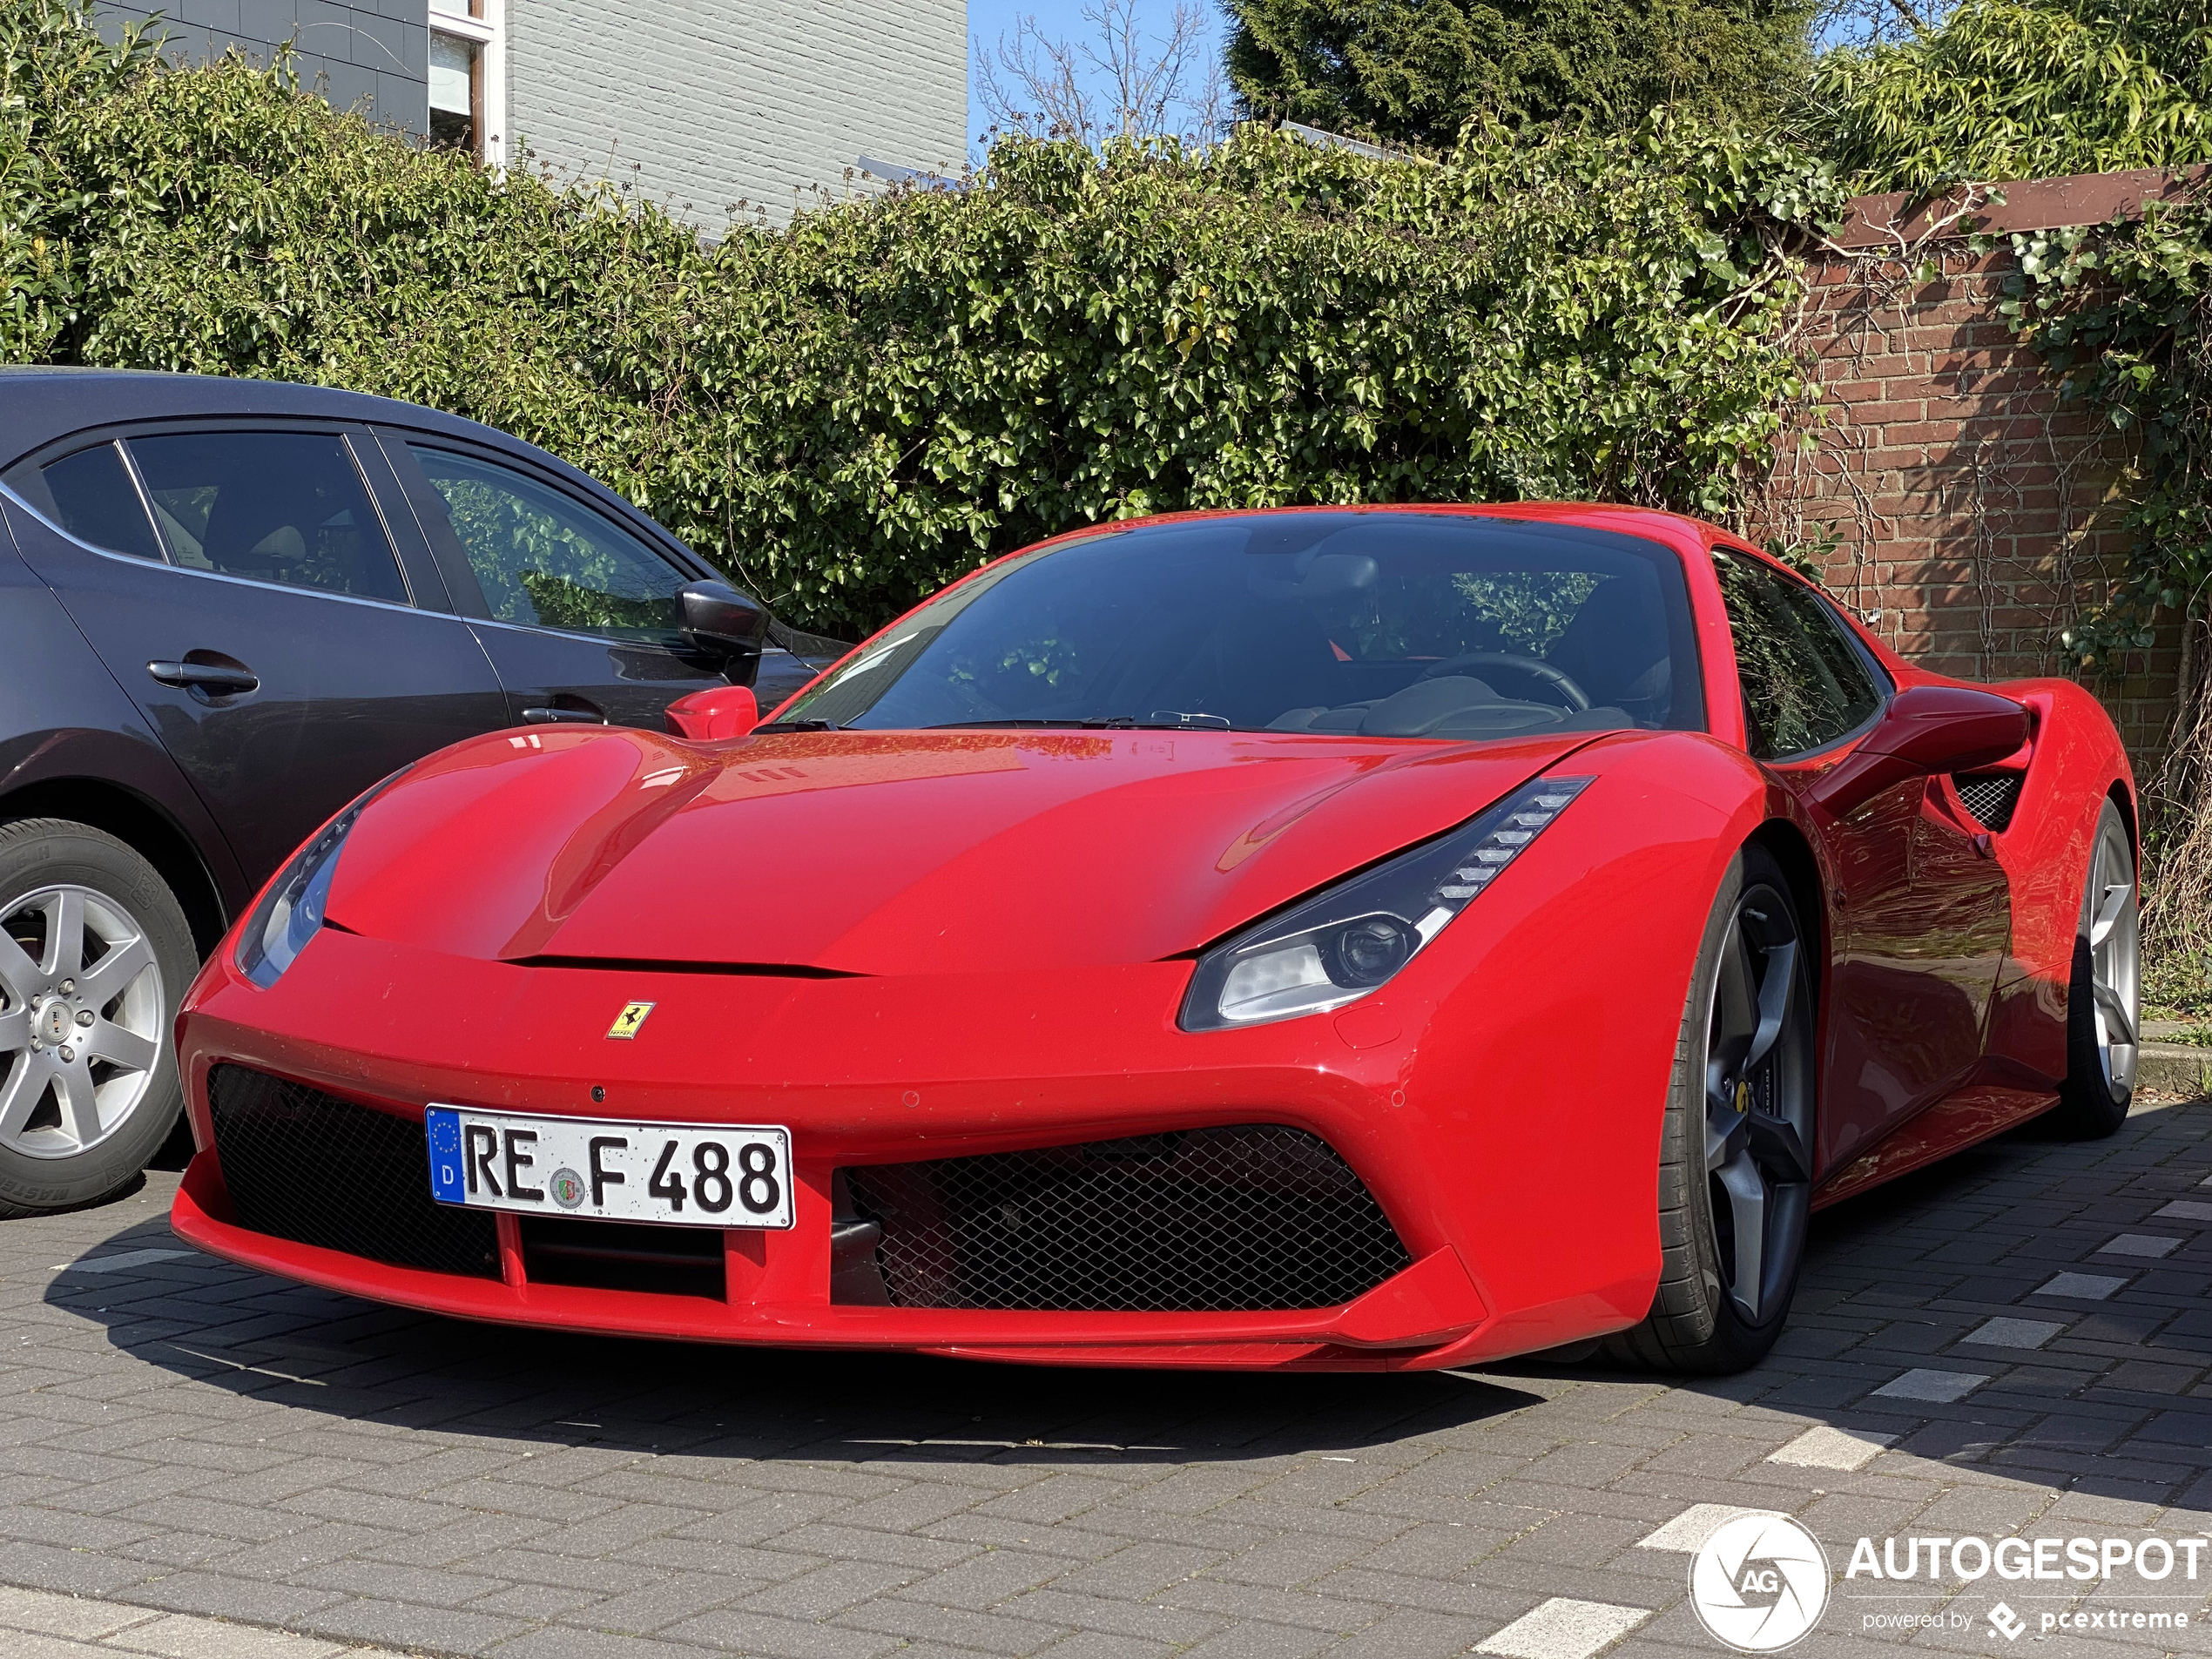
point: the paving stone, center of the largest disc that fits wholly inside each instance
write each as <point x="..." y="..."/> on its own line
<point x="1563" y="1628"/>
<point x="207" y="1449"/>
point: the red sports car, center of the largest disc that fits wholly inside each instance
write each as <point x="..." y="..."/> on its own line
<point x="1327" y="937"/>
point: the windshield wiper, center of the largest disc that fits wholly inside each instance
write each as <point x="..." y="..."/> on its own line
<point x="799" y="725"/>
<point x="1020" y="726"/>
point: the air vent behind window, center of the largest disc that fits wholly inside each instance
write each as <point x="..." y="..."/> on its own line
<point x="1989" y="796"/>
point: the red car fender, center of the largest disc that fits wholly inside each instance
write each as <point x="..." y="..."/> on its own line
<point x="2074" y="763"/>
<point x="1550" y="1041"/>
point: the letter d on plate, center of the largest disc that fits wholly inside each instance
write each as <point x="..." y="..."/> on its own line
<point x="442" y="1124"/>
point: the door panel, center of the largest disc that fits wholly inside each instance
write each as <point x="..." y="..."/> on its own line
<point x="342" y="690"/>
<point x="579" y="615"/>
<point x="1920" y="918"/>
<point x="1903" y="1027"/>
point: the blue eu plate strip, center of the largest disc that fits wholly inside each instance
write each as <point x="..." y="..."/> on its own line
<point x="442" y="1126"/>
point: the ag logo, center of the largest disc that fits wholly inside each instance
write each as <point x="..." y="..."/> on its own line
<point x="1759" y="1583"/>
<point x="626" y="1023"/>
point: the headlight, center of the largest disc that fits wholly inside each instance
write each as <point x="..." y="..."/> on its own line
<point x="1341" y="944"/>
<point x="291" y="911"/>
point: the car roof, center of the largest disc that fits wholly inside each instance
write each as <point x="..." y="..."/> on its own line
<point x="40" y="403"/>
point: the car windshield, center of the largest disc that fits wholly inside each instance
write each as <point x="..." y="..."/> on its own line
<point x="1374" y="624"/>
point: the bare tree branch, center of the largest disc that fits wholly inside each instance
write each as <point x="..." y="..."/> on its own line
<point x="1115" y="84"/>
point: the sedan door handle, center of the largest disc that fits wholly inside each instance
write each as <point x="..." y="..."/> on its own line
<point x="210" y="677"/>
<point x="563" y="717"/>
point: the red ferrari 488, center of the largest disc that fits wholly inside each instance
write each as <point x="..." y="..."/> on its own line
<point x="1326" y="938"/>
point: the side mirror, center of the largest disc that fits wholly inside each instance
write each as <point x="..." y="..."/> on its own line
<point x="1925" y="729"/>
<point x="718" y="621"/>
<point x="718" y="712"/>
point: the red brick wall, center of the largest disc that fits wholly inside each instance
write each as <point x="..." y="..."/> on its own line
<point x="1973" y="518"/>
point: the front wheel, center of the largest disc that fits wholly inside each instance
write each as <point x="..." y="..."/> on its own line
<point x="1737" y="1147"/>
<point x="94" y="957"/>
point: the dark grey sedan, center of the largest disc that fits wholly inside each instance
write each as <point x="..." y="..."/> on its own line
<point x="227" y="607"/>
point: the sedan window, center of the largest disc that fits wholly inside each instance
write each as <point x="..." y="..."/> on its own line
<point x="1372" y="624"/>
<point x="544" y="560"/>
<point x="1804" y="685"/>
<point x="90" y="494"/>
<point x="284" y="507"/>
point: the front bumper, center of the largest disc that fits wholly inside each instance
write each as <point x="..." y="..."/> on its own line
<point x="877" y="1071"/>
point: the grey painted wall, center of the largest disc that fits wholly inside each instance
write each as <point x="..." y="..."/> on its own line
<point x="375" y="54"/>
<point x="708" y="104"/>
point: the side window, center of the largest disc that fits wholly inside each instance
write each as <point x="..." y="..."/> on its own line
<point x="91" y="495"/>
<point x="1804" y="685"/>
<point x="547" y="561"/>
<point x="286" y="507"/>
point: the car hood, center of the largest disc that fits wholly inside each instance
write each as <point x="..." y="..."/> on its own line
<point x="889" y="852"/>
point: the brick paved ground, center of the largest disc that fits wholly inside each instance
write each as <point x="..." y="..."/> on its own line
<point x="179" y="1436"/>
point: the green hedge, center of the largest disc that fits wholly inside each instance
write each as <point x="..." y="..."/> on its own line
<point x="850" y="412"/>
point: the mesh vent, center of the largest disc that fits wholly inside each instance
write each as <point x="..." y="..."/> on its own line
<point x="1989" y="796"/>
<point x="306" y="1166"/>
<point x="1246" y="1218"/>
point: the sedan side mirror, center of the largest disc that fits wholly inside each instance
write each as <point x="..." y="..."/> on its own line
<point x="718" y="621"/>
<point x="1925" y="729"/>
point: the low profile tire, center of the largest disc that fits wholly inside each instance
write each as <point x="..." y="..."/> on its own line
<point x="95" y="955"/>
<point x="1736" y="1150"/>
<point x="2103" y="1006"/>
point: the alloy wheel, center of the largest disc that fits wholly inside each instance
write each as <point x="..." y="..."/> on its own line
<point x="2116" y="956"/>
<point x="1758" y="1104"/>
<point x="82" y="1013"/>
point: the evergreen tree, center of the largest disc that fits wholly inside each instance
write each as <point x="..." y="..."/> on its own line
<point x="1416" y="71"/>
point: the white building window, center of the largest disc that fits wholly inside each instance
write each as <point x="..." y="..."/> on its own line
<point x="467" y="77"/>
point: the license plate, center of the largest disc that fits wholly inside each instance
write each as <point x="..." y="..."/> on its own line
<point x="678" y="1174"/>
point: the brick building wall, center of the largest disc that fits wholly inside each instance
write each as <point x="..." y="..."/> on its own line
<point x="1973" y="517"/>
<point x="710" y="104"/>
<point x="372" y="54"/>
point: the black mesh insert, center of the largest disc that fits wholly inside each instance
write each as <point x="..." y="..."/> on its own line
<point x="306" y="1166"/>
<point x="1253" y="1219"/>
<point x="1989" y="796"/>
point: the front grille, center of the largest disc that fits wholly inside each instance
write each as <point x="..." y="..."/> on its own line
<point x="306" y="1166"/>
<point x="1989" y="796"/>
<point x="623" y="1256"/>
<point x="1249" y="1218"/>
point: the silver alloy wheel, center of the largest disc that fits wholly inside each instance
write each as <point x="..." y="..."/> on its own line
<point x="81" y="1021"/>
<point x="1758" y="1104"/>
<point x="2115" y="955"/>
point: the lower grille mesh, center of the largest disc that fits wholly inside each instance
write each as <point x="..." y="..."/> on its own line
<point x="1248" y="1218"/>
<point x="306" y="1166"/>
<point x="1989" y="796"/>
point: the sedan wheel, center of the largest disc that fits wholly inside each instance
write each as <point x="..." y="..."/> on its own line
<point x="80" y="1040"/>
<point x="94" y="957"/>
<point x="1736" y="1143"/>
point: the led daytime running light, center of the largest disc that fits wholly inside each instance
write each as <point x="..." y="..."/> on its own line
<point x="1342" y="944"/>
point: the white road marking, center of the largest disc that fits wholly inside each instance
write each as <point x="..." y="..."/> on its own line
<point x="1692" y="1528"/>
<point x="116" y="1263"/>
<point x="2084" y="1287"/>
<point x="2140" y="1245"/>
<point x="1941" y="1386"/>
<point x="2013" y="1333"/>
<point x="1832" y="1448"/>
<point x="1561" y="1628"/>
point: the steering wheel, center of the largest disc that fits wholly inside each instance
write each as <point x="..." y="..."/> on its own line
<point x="1536" y="667"/>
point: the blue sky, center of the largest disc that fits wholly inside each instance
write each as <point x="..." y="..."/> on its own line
<point x="988" y="19"/>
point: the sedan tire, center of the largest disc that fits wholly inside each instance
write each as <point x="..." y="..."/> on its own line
<point x="95" y="955"/>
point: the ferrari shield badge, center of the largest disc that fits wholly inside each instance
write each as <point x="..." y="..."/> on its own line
<point x="626" y="1023"/>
